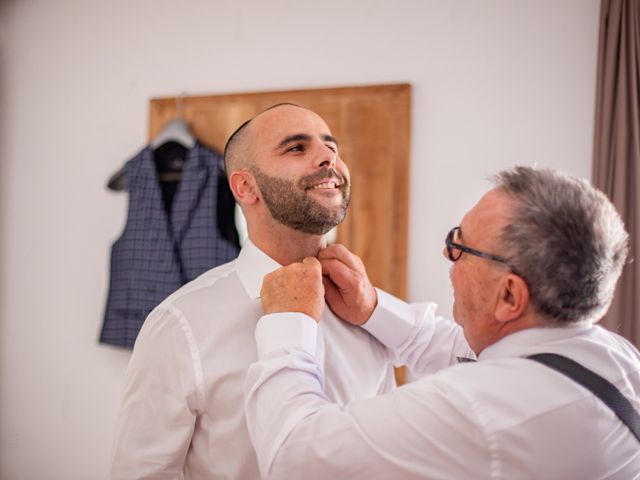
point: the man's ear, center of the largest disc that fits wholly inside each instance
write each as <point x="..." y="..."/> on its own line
<point x="244" y="188"/>
<point x="513" y="298"/>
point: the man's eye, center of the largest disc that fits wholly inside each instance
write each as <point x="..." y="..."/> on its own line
<point x="332" y="147"/>
<point x="296" y="148"/>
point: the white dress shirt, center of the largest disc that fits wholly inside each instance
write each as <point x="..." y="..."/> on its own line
<point x="502" y="417"/>
<point x="182" y="410"/>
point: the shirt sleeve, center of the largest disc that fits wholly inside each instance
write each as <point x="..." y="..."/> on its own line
<point x="160" y="403"/>
<point x="420" y="430"/>
<point x="416" y="336"/>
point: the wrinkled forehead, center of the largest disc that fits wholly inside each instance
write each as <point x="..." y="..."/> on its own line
<point x="271" y="127"/>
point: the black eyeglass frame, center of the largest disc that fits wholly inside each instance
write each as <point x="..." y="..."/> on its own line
<point x="450" y="244"/>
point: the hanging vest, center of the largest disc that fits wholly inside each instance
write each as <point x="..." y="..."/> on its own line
<point x="158" y="253"/>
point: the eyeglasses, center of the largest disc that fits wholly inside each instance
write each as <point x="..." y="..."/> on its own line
<point x="454" y="251"/>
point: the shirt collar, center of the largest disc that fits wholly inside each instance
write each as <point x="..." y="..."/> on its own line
<point x="253" y="265"/>
<point x="530" y="340"/>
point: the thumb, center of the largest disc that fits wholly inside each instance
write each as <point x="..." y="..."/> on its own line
<point x="311" y="261"/>
<point x="331" y="292"/>
<point x="313" y="266"/>
<point x="332" y="296"/>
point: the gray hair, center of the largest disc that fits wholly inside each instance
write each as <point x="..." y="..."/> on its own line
<point x="567" y="241"/>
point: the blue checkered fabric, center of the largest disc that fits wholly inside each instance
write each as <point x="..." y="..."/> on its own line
<point x="157" y="254"/>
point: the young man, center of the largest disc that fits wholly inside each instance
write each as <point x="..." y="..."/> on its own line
<point x="535" y="264"/>
<point x="182" y="408"/>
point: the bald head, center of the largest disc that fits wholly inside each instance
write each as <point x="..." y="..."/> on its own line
<point x="237" y="151"/>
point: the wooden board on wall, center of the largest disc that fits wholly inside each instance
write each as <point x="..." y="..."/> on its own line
<point x="372" y="126"/>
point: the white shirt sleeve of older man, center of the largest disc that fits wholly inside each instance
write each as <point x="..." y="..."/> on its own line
<point x="285" y="405"/>
<point x="416" y="336"/>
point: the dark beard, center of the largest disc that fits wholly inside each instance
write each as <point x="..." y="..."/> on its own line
<point x="289" y="204"/>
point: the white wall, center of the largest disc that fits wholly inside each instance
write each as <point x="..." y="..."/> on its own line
<point x="496" y="82"/>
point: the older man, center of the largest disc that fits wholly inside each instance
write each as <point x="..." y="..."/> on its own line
<point x="535" y="263"/>
<point x="182" y="408"/>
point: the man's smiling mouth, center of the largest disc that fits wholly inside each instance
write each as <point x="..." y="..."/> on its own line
<point x="331" y="184"/>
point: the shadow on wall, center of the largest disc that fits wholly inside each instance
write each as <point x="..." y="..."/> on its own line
<point x="5" y="6"/>
<point x="4" y="204"/>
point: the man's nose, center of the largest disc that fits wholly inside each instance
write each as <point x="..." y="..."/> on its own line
<point x="327" y="158"/>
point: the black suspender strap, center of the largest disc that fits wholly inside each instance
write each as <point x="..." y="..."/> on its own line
<point x="600" y="387"/>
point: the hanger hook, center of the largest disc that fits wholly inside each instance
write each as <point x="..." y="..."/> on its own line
<point x="180" y="105"/>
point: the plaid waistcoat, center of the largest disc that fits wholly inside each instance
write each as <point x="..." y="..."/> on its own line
<point x="157" y="254"/>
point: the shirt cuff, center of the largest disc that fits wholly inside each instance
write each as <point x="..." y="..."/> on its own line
<point x="286" y="331"/>
<point x="392" y="321"/>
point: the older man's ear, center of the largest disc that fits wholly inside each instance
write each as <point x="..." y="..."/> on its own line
<point x="513" y="298"/>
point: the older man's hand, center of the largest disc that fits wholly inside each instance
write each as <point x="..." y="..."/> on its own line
<point x="348" y="291"/>
<point x="294" y="288"/>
